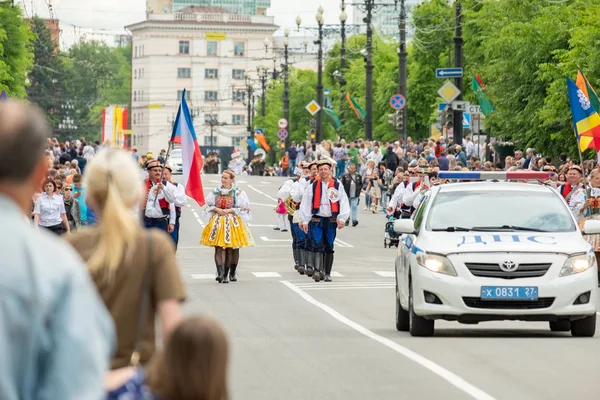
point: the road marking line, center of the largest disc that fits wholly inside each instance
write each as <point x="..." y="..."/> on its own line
<point x="336" y="274"/>
<point x="343" y="243"/>
<point x="325" y="287"/>
<point x="263" y="193"/>
<point x="203" y="276"/>
<point x="339" y="243"/>
<point x="266" y="275"/>
<point x="195" y="214"/>
<point x="266" y="239"/>
<point x="386" y="274"/>
<point x="302" y="285"/>
<point x="438" y="370"/>
<point x="262" y="226"/>
<point x="261" y="204"/>
<point x="265" y="182"/>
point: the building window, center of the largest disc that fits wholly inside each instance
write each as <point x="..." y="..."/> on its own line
<point x="134" y="139"/>
<point x="135" y="74"/>
<point x="238" y="95"/>
<point x="211" y="48"/>
<point x="211" y="96"/>
<point x="135" y="53"/>
<point x="239" y="74"/>
<point x="210" y="141"/>
<point x="184" y="73"/>
<point x="236" y="141"/>
<point x="211" y="73"/>
<point x="184" y="47"/>
<point x="135" y="95"/>
<point x="180" y="93"/>
<point x="208" y="118"/>
<point x="238" y="48"/>
<point x="237" y="119"/>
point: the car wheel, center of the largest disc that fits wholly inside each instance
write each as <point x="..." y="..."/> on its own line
<point x="402" y="318"/>
<point x="560" y="326"/>
<point x="418" y="326"/>
<point x="585" y="327"/>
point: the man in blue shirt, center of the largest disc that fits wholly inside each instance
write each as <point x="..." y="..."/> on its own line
<point x="56" y="337"/>
<point x="80" y="195"/>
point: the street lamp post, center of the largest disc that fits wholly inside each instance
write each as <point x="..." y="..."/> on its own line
<point x="320" y="20"/>
<point x="262" y="74"/>
<point x="343" y="19"/>
<point x="249" y="91"/>
<point x="402" y="68"/>
<point x="369" y="5"/>
<point x="286" y="85"/>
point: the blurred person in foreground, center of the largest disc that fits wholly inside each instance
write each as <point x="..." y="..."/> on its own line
<point x="193" y="365"/>
<point x="56" y="337"/>
<point x="134" y="269"/>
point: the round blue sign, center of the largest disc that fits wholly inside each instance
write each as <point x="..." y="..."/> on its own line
<point x="283" y="134"/>
<point x="397" y="102"/>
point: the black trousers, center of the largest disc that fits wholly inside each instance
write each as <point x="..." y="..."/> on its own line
<point x="58" y="229"/>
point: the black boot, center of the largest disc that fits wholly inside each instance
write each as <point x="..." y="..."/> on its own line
<point x="354" y="223"/>
<point x="319" y="273"/>
<point x="219" y="277"/>
<point x="328" y="266"/>
<point x="296" y="253"/>
<point x="226" y="275"/>
<point x="232" y="275"/>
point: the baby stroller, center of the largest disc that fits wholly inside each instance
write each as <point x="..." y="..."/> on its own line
<point x="391" y="238"/>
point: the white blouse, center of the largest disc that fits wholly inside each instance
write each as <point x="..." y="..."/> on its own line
<point x="49" y="209"/>
<point x="578" y="199"/>
<point x="242" y="203"/>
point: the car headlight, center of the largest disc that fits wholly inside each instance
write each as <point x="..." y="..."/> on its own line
<point x="577" y="264"/>
<point x="435" y="263"/>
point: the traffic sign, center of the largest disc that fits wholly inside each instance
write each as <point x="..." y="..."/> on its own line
<point x="448" y="73"/>
<point x="282" y="134"/>
<point x="448" y="92"/>
<point x="397" y="102"/>
<point x="313" y="107"/>
<point x="326" y="92"/>
<point x="260" y="130"/>
<point x="474" y="109"/>
<point x="282" y="123"/>
<point x="442" y="106"/>
<point x="466" y="121"/>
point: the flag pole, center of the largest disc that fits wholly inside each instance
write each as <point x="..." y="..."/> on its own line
<point x="162" y="171"/>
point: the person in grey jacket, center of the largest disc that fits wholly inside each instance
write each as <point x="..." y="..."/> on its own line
<point x="71" y="207"/>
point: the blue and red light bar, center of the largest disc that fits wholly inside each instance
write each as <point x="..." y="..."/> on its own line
<point x="494" y="175"/>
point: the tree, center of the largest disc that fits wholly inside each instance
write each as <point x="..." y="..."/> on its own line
<point x="46" y="74"/>
<point x="16" y="55"/>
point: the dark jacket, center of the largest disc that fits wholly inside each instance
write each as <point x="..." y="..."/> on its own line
<point x="347" y="180"/>
<point x="391" y="159"/>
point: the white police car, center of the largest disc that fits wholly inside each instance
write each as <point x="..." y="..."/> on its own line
<point x="488" y="251"/>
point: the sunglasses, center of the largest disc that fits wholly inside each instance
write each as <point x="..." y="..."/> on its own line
<point x="68" y="189"/>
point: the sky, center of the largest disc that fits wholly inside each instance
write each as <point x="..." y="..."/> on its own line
<point x="102" y="19"/>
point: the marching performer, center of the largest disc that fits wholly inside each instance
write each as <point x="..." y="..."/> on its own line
<point x="304" y="260"/>
<point x="324" y="209"/>
<point x="157" y="210"/>
<point x="226" y="231"/>
<point x="179" y="201"/>
<point x="237" y="162"/>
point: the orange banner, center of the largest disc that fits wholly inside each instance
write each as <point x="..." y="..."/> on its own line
<point x="263" y="141"/>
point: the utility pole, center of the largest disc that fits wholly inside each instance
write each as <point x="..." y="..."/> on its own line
<point x="369" y="4"/>
<point x="320" y="21"/>
<point x="402" y="70"/>
<point x="263" y="105"/>
<point x="343" y="18"/>
<point x="249" y="127"/>
<point x="458" y="62"/>
<point x="286" y="87"/>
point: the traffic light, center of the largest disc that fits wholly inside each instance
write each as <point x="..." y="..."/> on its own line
<point x="282" y="145"/>
<point x="392" y="119"/>
<point x="399" y="120"/>
<point x="313" y="135"/>
<point x="448" y="118"/>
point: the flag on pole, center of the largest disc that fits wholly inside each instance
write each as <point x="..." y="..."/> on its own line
<point x="3" y="95"/>
<point x="484" y="101"/>
<point x="584" y="85"/>
<point x="185" y="135"/>
<point x="360" y="113"/>
<point x="263" y="141"/>
<point x="586" y="120"/>
<point x="252" y="144"/>
<point x="333" y="118"/>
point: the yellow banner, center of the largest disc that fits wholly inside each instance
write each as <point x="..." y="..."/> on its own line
<point x="151" y="106"/>
<point x="215" y="36"/>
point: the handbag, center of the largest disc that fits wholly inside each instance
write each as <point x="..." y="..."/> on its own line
<point x="134" y="361"/>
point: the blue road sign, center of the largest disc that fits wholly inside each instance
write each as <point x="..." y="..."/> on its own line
<point x="442" y="106"/>
<point x="448" y="72"/>
<point x="283" y="134"/>
<point x="397" y="102"/>
<point x="259" y="130"/>
<point x="466" y="121"/>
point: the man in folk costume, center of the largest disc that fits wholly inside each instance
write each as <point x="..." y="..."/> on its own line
<point x="284" y="193"/>
<point x="180" y="201"/>
<point x="568" y="189"/>
<point x="157" y="210"/>
<point x="304" y="254"/>
<point x="324" y="209"/>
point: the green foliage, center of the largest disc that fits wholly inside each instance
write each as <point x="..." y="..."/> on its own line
<point x="16" y="56"/>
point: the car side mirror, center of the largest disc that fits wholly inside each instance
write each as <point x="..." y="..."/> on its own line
<point x="591" y="227"/>
<point x="406" y="226"/>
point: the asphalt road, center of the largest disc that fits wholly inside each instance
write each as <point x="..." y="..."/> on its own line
<point x="295" y="339"/>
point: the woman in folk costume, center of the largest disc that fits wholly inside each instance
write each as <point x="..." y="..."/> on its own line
<point x="226" y="231"/>
<point x="585" y="204"/>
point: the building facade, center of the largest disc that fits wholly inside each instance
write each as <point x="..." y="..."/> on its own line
<point x="211" y="52"/>
<point x="242" y="7"/>
<point x="385" y="19"/>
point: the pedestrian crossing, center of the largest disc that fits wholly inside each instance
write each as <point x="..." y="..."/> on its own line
<point x="334" y="274"/>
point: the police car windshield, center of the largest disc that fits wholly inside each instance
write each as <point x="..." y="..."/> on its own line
<point x="501" y="211"/>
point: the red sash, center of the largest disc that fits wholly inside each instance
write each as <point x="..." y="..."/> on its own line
<point x="164" y="205"/>
<point x="335" y="207"/>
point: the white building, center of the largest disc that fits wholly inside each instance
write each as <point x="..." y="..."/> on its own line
<point x="206" y="50"/>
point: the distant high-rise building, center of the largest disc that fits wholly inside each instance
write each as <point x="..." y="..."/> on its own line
<point x="386" y="19"/>
<point x="242" y="7"/>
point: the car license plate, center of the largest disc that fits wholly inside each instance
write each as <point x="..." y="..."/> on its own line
<point x="509" y="293"/>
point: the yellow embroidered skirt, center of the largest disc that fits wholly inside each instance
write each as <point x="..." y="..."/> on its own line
<point x="227" y="231"/>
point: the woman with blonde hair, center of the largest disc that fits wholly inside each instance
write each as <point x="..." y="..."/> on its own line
<point x="193" y="365"/>
<point x="134" y="269"/>
<point x="226" y="231"/>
